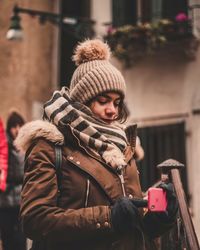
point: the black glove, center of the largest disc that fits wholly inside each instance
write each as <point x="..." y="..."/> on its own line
<point x="172" y="203"/>
<point x="157" y="223"/>
<point x="124" y="215"/>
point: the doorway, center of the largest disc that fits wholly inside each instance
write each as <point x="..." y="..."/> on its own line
<point x="161" y="143"/>
<point x="79" y="9"/>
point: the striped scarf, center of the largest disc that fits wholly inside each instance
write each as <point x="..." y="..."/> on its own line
<point x="101" y="139"/>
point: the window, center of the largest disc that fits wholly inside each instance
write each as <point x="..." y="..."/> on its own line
<point x="171" y="8"/>
<point x="124" y="12"/>
<point x="130" y="11"/>
<point x="68" y="40"/>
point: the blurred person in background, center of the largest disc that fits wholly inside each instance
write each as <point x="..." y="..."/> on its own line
<point x="11" y="234"/>
<point x="3" y="157"/>
<point x="139" y="151"/>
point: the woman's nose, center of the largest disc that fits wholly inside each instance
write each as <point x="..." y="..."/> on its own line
<point x="111" y="109"/>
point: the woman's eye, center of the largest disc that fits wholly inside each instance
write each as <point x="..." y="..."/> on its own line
<point x="117" y="103"/>
<point x="102" y="100"/>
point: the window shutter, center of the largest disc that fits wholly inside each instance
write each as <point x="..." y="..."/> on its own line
<point x="172" y="7"/>
<point x="156" y="10"/>
<point x="195" y="14"/>
<point x="146" y="10"/>
<point x="124" y="12"/>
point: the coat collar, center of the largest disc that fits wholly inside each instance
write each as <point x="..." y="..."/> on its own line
<point x="35" y="130"/>
<point x="44" y="129"/>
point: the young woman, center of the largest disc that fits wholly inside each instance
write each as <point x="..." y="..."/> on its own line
<point x="90" y="206"/>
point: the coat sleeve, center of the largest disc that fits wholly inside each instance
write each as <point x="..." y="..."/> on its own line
<point x="3" y="157"/>
<point x="39" y="213"/>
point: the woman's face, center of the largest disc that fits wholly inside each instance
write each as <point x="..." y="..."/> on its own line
<point x="14" y="131"/>
<point x="106" y="106"/>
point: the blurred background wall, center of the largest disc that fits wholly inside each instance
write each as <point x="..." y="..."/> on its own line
<point x="27" y="68"/>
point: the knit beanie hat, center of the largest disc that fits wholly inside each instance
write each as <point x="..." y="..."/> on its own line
<point x="94" y="74"/>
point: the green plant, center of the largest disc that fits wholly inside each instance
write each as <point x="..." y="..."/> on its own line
<point x="131" y="43"/>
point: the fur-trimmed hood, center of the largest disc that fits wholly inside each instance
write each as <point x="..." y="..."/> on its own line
<point x="38" y="129"/>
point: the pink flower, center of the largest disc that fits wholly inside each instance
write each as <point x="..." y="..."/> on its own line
<point x="110" y="30"/>
<point x="181" y="17"/>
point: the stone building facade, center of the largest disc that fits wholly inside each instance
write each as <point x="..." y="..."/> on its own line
<point x="27" y="67"/>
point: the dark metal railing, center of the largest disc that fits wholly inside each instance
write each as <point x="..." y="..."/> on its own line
<point x="183" y="235"/>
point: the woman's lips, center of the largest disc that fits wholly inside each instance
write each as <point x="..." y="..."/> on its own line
<point x="108" y="120"/>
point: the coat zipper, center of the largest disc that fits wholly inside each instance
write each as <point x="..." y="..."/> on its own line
<point x="87" y="192"/>
<point x="121" y="177"/>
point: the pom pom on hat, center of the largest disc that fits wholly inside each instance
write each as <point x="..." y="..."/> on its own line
<point x="90" y="50"/>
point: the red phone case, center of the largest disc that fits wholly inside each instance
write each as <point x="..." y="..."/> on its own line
<point x="157" y="201"/>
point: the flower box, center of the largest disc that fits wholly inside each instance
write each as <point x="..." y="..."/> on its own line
<point x="132" y="43"/>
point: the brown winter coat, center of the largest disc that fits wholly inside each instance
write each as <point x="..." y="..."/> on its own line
<point x="79" y="216"/>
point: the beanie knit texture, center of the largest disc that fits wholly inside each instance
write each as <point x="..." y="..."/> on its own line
<point x="94" y="74"/>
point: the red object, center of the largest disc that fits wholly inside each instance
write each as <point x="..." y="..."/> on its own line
<point x="181" y="17"/>
<point x="3" y="157"/>
<point x="157" y="201"/>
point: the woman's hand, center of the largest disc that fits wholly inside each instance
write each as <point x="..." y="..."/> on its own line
<point x="124" y="215"/>
<point x="157" y="223"/>
<point x="172" y="203"/>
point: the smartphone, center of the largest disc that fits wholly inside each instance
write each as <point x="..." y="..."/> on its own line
<point x="157" y="201"/>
